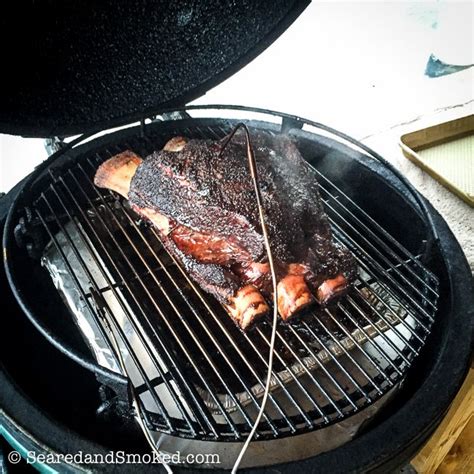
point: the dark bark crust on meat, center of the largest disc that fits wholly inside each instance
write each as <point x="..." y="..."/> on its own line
<point x="197" y="188"/>
<point x="215" y="231"/>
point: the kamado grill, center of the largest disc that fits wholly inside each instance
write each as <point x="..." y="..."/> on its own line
<point x="356" y="386"/>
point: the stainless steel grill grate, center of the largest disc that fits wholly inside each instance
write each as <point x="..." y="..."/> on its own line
<point x="198" y="376"/>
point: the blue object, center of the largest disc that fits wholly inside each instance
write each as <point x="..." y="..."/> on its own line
<point x="437" y="68"/>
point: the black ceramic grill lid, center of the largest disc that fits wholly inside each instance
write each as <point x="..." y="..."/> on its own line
<point x="74" y="67"/>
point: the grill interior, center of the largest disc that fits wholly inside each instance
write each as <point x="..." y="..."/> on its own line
<point x="199" y="376"/>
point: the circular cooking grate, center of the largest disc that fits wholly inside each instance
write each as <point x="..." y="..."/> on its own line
<point x="197" y="375"/>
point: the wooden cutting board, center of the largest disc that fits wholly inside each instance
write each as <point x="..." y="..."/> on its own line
<point x="446" y="152"/>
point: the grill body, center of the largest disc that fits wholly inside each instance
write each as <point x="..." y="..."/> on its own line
<point x="384" y="260"/>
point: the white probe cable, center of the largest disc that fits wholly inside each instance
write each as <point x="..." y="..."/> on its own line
<point x="136" y="404"/>
<point x="253" y="172"/>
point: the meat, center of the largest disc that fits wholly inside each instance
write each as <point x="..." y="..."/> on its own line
<point x="200" y="197"/>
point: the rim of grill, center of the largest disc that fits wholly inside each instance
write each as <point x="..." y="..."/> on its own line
<point x="329" y="364"/>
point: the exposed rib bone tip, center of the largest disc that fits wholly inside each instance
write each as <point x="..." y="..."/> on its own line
<point x="117" y="172"/>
